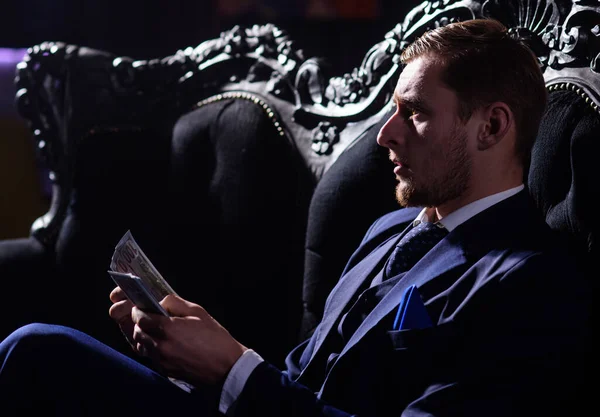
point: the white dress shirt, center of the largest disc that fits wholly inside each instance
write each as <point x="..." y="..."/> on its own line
<point x="241" y="370"/>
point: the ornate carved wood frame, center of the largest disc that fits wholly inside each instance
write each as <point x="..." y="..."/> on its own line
<point x="69" y="92"/>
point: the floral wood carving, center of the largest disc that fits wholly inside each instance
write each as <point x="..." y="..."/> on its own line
<point x="577" y="41"/>
<point x="531" y="21"/>
<point x="324" y="136"/>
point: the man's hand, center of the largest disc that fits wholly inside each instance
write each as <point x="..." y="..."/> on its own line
<point x="120" y="312"/>
<point x="190" y="345"/>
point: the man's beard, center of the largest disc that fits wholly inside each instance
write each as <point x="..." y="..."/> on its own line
<point x="455" y="168"/>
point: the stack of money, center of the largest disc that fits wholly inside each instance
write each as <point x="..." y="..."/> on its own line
<point x="129" y="258"/>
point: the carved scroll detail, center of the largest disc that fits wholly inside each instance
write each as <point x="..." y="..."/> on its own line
<point x="577" y="40"/>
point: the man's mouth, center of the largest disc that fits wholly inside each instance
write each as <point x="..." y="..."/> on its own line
<point x="402" y="169"/>
<point x="400" y="164"/>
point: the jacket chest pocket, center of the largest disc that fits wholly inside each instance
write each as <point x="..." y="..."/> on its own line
<point x="431" y="339"/>
<point x="418" y="354"/>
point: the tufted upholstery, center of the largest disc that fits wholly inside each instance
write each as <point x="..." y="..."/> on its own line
<point x="237" y="218"/>
<point x="562" y="176"/>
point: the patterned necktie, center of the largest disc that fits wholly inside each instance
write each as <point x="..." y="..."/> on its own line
<point x="413" y="246"/>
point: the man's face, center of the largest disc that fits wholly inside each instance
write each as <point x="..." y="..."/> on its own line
<point x="427" y="141"/>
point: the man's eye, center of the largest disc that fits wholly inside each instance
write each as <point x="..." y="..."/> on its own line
<point x="408" y="112"/>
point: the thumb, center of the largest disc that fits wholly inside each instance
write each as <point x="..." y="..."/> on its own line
<point x="178" y="307"/>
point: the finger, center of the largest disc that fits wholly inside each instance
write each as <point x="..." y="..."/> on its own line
<point x="151" y="324"/>
<point x="178" y="307"/>
<point x="121" y="311"/>
<point x="117" y="295"/>
<point x="144" y="343"/>
<point x="141" y="349"/>
<point x="140" y="336"/>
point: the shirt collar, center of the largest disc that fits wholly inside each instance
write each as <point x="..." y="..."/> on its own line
<point x="457" y="217"/>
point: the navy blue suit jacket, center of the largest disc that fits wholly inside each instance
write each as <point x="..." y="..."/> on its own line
<point x="511" y="321"/>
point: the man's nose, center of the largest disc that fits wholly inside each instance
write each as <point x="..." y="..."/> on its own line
<point x="391" y="132"/>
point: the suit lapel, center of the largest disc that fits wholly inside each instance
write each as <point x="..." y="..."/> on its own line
<point x="346" y="288"/>
<point x="442" y="258"/>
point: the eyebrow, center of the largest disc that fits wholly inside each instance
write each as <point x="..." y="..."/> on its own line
<point x="414" y="103"/>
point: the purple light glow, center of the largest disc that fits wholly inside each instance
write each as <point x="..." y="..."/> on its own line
<point x="11" y="56"/>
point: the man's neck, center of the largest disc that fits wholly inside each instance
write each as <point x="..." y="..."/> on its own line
<point x="471" y="195"/>
<point x="463" y="213"/>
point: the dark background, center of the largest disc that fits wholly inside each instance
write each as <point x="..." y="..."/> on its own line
<point x="341" y="30"/>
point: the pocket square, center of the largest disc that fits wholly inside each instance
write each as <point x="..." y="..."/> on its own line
<point x="412" y="313"/>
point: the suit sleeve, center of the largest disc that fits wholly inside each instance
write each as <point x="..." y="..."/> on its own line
<point x="270" y="393"/>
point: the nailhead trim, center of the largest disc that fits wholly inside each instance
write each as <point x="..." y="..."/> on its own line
<point x="578" y="90"/>
<point x="250" y="97"/>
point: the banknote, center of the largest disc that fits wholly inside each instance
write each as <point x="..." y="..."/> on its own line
<point x="136" y="291"/>
<point x="129" y="258"/>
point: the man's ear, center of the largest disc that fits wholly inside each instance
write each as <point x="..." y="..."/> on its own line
<point x="497" y="120"/>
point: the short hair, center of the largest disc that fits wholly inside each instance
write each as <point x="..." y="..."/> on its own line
<point x="484" y="64"/>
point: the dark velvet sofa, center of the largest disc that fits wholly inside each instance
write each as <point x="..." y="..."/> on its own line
<point x="249" y="175"/>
